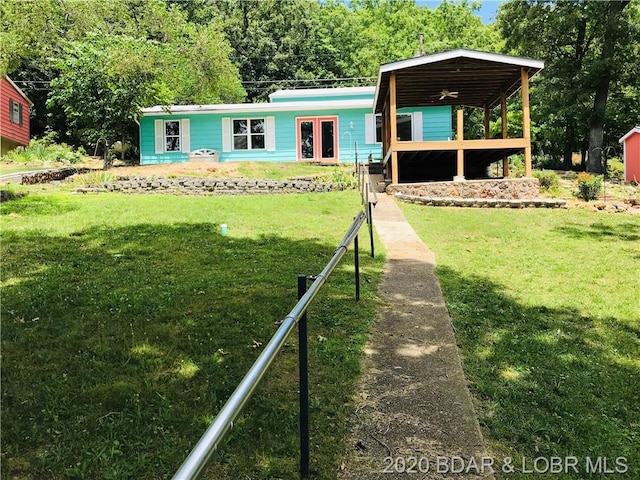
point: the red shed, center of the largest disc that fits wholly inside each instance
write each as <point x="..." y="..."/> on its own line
<point x="631" y="145"/>
<point x="14" y="116"/>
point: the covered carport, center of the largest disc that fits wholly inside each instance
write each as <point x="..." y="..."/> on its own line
<point x="463" y="78"/>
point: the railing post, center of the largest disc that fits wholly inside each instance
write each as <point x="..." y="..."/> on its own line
<point x="357" y="266"/>
<point x="303" y="360"/>
<point x="370" y="217"/>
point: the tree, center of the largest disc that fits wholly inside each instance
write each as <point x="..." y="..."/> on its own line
<point x="105" y="60"/>
<point x="103" y="83"/>
<point x="571" y="37"/>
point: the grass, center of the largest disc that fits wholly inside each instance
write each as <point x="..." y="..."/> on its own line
<point x="547" y="315"/>
<point x="288" y="170"/>
<point x="129" y="320"/>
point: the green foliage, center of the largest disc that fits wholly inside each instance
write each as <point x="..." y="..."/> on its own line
<point x="550" y="162"/>
<point x="548" y="180"/>
<point x="569" y="37"/>
<point x="615" y="170"/>
<point x="589" y="186"/>
<point x="45" y="150"/>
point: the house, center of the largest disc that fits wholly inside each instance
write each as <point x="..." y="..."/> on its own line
<point x="325" y="125"/>
<point x="405" y="121"/>
<point x="631" y="145"/>
<point x="14" y="116"/>
<point x="456" y="78"/>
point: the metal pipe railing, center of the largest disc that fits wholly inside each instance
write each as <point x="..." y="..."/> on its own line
<point x="200" y="457"/>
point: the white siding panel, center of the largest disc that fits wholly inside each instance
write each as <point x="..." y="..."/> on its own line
<point x="270" y="126"/>
<point x="159" y="135"/>
<point x="185" y="135"/>
<point x="226" y="134"/>
<point x="417" y="126"/>
<point x="370" y="128"/>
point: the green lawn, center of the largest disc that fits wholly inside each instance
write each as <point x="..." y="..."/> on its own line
<point x="127" y="321"/>
<point x="546" y="306"/>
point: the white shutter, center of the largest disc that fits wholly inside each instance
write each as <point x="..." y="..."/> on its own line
<point x="185" y="135"/>
<point x="159" y="134"/>
<point x="417" y="126"/>
<point x="369" y="128"/>
<point x="270" y="127"/>
<point x="226" y="134"/>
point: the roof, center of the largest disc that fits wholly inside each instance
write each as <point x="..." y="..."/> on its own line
<point x="629" y="133"/>
<point x="18" y="90"/>
<point x="322" y="92"/>
<point x="478" y="77"/>
<point x="248" y="108"/>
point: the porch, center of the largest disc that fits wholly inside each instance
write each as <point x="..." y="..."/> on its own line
<point x="459" y="78"/>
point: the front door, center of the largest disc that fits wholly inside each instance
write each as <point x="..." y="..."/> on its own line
<point x="317" y="139"/>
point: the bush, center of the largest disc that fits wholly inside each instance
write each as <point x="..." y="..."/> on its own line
<point x="615" y="170"/>
<point x="548" y="162"/>
<point x="589" y="186"/>
<point x="46" y="151"/>
<point x="548" y="180"/>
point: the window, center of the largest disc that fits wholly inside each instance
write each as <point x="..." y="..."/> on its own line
<point x="172" y="135"/>
<point x="249" y="134"/>
<point x="404" y="127"/>
<point x="378" y="128"/>
<point x="15" y="112"/>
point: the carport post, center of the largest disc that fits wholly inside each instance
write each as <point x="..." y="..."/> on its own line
<point x="460" y="138"/>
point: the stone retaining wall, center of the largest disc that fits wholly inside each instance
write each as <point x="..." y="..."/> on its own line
<point x="501" y="189"/>
<point x="47" y="176"/>
<point x="482" y="202"/>
<point x="209" y="186"/>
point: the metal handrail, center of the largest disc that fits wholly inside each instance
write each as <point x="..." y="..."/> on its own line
<point x="200" y="457"/>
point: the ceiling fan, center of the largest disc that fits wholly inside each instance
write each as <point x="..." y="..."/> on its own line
<point x="446" y="93"/>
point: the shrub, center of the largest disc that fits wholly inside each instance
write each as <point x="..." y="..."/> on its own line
<point x="45" y="150"/>
<point x="548" y="180"/>
<point x="548" y="162"/>
<point x="589" y="186"/>
<point x="615" y="170"/>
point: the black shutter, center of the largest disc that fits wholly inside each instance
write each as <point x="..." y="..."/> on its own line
<point x="20" y="114"/>
<point x="11" y="110"/>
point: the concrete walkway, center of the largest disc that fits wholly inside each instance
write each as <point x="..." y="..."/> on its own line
<point x="413" y="399"/>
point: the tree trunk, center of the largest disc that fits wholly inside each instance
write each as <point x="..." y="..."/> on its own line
<point x="596" y="127"/>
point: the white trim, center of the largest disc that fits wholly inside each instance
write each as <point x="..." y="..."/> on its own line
<point x="185" y="135"/>
<point x="410" y="115"/>
<point x="270" y="132"/>
<point x="417" y="126"/>
<point x="257" y="108"/>
<point x="629" y="133"/>
<point x="461" y="52"/>
<point x="369" y="129"/>
<point x="226" y="134"/>
<point x="249" y="134"/>
<point x="158" y="131"/>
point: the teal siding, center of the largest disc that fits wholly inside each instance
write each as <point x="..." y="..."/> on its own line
<point x="206" y="132"/>
<point x="436" y="123"/>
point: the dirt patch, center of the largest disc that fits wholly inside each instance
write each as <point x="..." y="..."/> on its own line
<point x="197" y="169"/>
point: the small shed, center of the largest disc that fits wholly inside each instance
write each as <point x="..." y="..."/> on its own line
<point x="631" y="145"/>
<point x="14" y="116"/>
